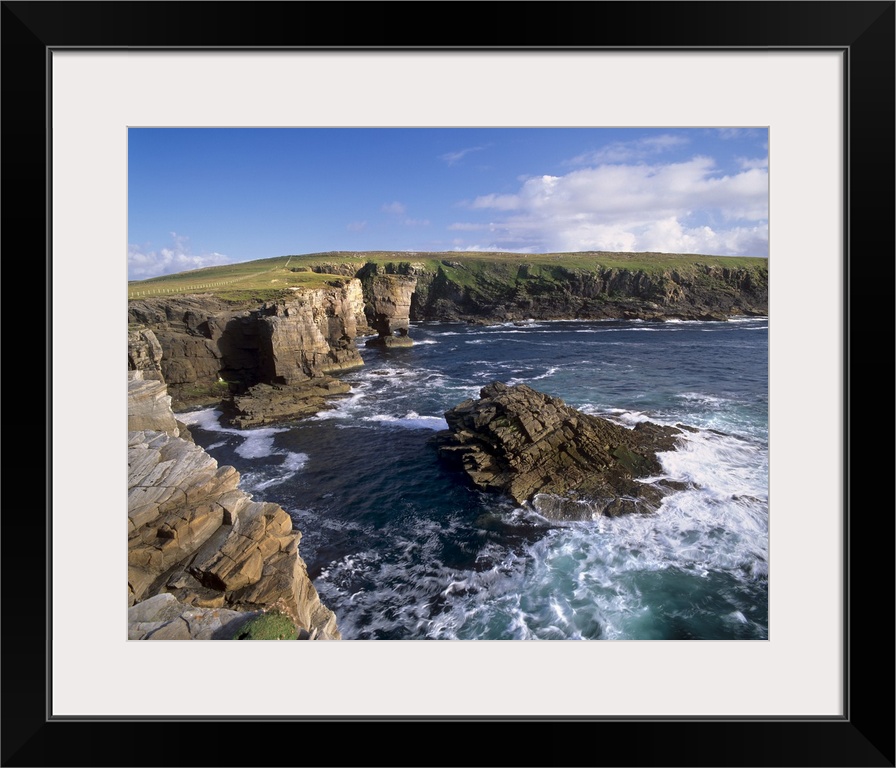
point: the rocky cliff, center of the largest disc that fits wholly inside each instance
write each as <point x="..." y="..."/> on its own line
<point x="534" y="447"/>
<point x="207" y="350"/>
<point x="309" y="335"/>
<point x="272" y="360"/>
<point x="207" y="562"/>
<point x="204" y="347"/>
<point x="505" y="287"/>
<point x="502" y="292"/>
<point x="204" y="560"/>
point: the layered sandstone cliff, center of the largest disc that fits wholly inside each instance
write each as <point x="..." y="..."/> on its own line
<point x="258" y="358"/>
<point x="203" y="558"/>
<point x="310" y="334"/>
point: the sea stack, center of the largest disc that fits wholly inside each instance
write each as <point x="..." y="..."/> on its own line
<point x="390" y="307"/>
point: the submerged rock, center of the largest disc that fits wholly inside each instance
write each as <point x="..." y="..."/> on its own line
<point x="571" y="465"/>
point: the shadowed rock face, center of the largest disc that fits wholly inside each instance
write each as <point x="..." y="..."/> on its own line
<point x="499" y="292"/>
<point x="524" y="443"/>
<point x="144" y="353"/>
<point x="262" y="363"/>
<point x="202" y="347"/>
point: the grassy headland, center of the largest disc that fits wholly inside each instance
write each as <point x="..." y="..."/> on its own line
<point x="266" y="279"/>
<point x="261" y="280"/>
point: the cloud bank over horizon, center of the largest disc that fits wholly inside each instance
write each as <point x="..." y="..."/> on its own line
<point x="177" y="257"/>
<point x="683" y="207"/>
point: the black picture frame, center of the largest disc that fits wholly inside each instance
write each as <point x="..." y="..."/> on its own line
<point x="863" y="31"/>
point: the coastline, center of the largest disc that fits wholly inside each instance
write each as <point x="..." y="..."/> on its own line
<point x="278" y="360"/>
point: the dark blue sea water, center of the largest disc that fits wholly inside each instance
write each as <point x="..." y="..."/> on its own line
<point x="400" y="547"/>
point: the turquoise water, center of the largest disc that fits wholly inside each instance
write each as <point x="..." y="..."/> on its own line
<point x="399" y="546"/>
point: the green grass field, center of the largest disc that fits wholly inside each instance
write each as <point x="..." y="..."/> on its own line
<point x="259" y="280"/>
<point x="266" y="279"/>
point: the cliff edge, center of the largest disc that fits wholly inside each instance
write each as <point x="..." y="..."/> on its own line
<point x="204" y="560"/>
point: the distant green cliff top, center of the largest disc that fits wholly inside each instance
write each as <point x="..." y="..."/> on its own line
<point x="267" y="279"/>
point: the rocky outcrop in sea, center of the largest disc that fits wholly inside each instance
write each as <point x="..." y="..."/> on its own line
<point x="204" y="560"/>
<point x="570" y="465"/>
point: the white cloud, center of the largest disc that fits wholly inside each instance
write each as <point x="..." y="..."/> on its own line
<point x="626" y="151"/>
<point x="670" y="236"/>
<point x="737" y="133"/>
<point x="488" y="248"/>
<point x="399" y="209"/>
<point x="501" y="202"/>
<point x="356" y="226"/>
<point x="637" y="208"/>
<point x="143" y="264"/>
<point x="467" y="226"/>
<point x="752" y="162"/>
<point x="453" y="157"/>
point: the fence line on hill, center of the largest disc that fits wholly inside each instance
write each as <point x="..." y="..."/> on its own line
<point x="200" y="286"/>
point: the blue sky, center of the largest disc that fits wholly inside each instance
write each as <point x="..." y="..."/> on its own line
<point x="200" y="197"/>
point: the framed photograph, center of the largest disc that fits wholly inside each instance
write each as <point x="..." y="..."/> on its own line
<point x="817" y="76"/>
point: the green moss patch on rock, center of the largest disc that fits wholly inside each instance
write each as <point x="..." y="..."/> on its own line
<point x="268" y="626"/>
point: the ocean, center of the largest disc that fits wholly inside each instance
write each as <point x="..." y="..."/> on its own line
<point x="401" y="547"/>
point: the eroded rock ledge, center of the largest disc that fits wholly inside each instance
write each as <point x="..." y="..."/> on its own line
<point x="195" y="536"/>
<point x="525" y="443"/>
<point x="277" y="403"/>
